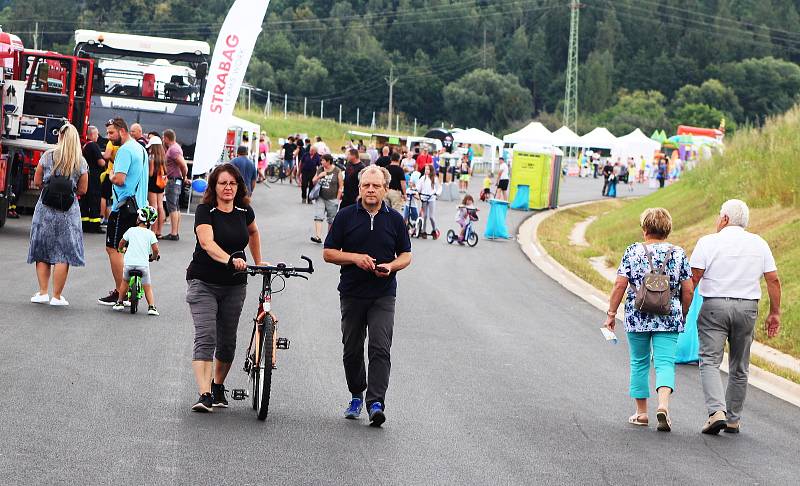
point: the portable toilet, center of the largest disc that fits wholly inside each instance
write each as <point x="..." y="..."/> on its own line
<point x="535" y="176"/>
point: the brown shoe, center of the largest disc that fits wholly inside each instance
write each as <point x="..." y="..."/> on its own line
<point x="664" y="422"/>
<point x="732" y="428"/>
<point x="715" y="423"/>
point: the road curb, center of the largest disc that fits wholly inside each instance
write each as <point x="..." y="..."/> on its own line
<point x="528" y="240"/>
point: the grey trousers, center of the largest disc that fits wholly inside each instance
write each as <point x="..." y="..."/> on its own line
<point x="722" y="320"/>
<point x="215" y="310"/>
<point x="359" y="318"/>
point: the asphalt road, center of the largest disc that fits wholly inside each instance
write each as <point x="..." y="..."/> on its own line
<point x="500" y="376"/>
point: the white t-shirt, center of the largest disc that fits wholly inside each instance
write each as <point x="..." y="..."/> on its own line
<point x="140" y="246"/>
<point x="734" y="261"/>
<point x="503" y="171"/>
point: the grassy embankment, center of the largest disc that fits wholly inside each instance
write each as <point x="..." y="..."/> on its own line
<point x="333" y="133"/>
<point x="759" y="166"/>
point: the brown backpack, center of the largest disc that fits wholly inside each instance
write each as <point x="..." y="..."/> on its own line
<point x="654" y="295"/>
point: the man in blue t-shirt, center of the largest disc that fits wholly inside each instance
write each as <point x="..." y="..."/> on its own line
<point x="246" y="167"/>
<point x="129" y="180"/>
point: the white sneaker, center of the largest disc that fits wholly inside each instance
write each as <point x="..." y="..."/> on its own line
<point x="59" y="302"/>
<point x="40" y="299"/>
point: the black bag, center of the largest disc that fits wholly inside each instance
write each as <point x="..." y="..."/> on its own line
<point x="58" y="193"/>
<point x="128" y="208"/>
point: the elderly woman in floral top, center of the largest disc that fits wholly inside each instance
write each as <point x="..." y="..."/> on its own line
<point x="652" y="333"/>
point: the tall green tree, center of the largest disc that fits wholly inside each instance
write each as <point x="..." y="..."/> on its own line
<point x="484" y="98"/>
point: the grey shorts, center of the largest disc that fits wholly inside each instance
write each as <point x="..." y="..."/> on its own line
<point x="215" y="310"/>
<point x="126" y="273"/>
<point x="172" y="195"/>
<point x="326" y="210"/>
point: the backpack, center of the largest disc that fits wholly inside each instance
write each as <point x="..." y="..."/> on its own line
<point x="654" y="295"/>
<point x="161" y="177"/>
<point x="58" y="193"/>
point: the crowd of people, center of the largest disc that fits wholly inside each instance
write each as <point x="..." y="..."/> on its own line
<point x="133" y="183"/>
<point x="655" y="279"/>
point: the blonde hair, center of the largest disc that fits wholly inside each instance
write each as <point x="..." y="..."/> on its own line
<point x="67" y="156"/>
<point x="656" y="222"/>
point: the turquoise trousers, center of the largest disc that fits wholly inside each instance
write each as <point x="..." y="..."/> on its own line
<point x="661" y="346"/>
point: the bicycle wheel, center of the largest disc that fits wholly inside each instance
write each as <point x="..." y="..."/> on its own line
<point x="472" y="239"/>
<point x="274" y="174"/>
<point x="133" y="291"/>
<point x="451" y="236"/>
<point x="264" y="382"/>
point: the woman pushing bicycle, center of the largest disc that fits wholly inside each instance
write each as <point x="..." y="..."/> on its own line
<point x="224" y="225"/>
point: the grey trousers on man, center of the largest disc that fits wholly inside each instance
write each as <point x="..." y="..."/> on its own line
<point x="359" y="318"/>
<point x="731" y="320"/>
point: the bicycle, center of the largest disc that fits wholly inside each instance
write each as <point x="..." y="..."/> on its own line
<point x="260" y="358"/>
<point x="470" y="236"/>
<point x="424" y="199"/>
<point x="135" y="287"/>
<point x="276" y="172"/>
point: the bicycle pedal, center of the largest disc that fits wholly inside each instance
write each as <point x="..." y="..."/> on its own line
<point x="239" y="394"/>
<point x="282" y="343"/>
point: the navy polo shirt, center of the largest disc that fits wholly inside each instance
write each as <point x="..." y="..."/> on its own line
<point x="383" y="237"/>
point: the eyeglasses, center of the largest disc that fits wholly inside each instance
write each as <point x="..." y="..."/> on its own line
<point x="227" y="183"/>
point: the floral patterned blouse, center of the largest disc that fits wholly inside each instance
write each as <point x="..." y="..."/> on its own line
<point x="634" y="266"/>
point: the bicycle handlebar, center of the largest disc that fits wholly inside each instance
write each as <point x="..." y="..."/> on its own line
<point x="282" y="269"/>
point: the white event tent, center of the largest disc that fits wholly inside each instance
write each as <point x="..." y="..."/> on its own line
<point x="635" y="144"/>
<point x="564" y="137"/>
<point x="478" y="137"/>
<point x="534" y="132"/>
<point x="599" y="138"/>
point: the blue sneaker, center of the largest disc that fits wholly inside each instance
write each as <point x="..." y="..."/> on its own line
<point x="376" y="415"/>
<point x="354" y="409"/>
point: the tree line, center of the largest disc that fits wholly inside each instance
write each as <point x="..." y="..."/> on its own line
<point x="489" y="64"/>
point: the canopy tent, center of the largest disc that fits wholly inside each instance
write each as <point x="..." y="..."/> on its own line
<point x="478" y="137"/>
<point x="564" y="137"/>
<point x="534" y="132"/>
<point x="599" y="138"/>
<point x="243" y="132"/>
<point x="637" y="145"/>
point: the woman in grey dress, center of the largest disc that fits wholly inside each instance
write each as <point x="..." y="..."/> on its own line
<point x="57" y="236"/>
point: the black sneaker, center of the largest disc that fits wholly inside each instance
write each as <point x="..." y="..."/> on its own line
<point x="110" y="299"/>
<point x="203" y="404"/>
<point x="218" y="392"/>
<point x="316" y="240"/>
<point x="171" y="237"/>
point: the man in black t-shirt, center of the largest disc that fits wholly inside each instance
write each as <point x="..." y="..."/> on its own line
<point x="288" y="155"/>
<point x="396" y="196"/>
<point x="90" y="202"/>
<point x="351" y="170"/>
<point x="384" y="159"/>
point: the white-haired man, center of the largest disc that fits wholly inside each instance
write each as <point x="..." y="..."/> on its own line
<point x="728" y="265"/>
<point x="369" y="241"/>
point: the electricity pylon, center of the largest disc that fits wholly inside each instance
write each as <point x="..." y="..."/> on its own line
<point x="571" y="92"/>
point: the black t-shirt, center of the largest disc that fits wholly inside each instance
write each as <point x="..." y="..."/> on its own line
<point x="383" y="237"/>
<point x="608" y="169"/>
<point x="383" y="161"/>
<point x="288" y="151"/>
<point x="350" y="191"/>
<point x="398" y="175"/>
<point x="230" y="233"/>
<point x="92" y="153"/>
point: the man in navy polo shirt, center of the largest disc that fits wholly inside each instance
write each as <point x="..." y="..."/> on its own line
<point x="370" y="242"/>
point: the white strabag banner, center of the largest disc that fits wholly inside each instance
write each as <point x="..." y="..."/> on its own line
<point x="232" y="52"/>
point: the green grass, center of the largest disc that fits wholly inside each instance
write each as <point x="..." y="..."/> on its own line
<point x="553" y="234"/>
<point x="759" y="167"/>
<point x="333" y="133"/>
